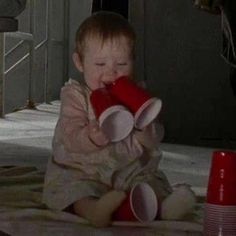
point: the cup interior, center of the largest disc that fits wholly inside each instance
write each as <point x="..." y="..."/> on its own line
<point x="144" y="202"/>
<point x="147" y="112"/>
<point x="116" y="122"/>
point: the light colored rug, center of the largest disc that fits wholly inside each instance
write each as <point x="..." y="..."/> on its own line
<point x="23" y="214"/>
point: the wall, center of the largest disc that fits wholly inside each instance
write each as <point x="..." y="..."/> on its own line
<point x="178" y="54"/>
<point x="48" y="35"/>
<point x="53" y="35"/>
<point x="79" y="10"/>
<point x="180" y="47"/>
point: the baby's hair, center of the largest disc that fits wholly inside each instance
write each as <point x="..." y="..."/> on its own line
<point x="106" y="26"/>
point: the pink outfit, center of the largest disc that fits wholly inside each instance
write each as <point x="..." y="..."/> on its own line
<point x="78" y="168"/>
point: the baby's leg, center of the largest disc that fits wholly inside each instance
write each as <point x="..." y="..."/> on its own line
<point x="99" y="211"/>
<point x="178" y="204"/>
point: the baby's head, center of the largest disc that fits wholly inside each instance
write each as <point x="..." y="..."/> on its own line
<point x="105" y="44"/>
<point x="104" y="26"/>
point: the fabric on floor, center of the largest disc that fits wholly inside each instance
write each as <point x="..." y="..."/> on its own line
<point x="22" y="213"/>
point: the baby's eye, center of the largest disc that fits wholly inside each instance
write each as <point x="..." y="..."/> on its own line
<point x="99" y="64"/>
<point x="122" y="64"/>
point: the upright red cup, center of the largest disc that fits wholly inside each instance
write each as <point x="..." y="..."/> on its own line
<point x="114" y="119"/>
<point x="220" y="206"/>
<point x="222" y="179"/>
<point x="140" y="205"/>
<point x="144" y="107"/>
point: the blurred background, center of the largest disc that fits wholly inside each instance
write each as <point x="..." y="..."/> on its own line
<point x="178" y="55"/>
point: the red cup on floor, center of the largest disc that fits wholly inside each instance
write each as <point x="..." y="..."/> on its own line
<point x="144" y="107"/>
<point x="114" y="119"/>
<point x="220" y="206"/>
<point x="222" y="179"/>
<point x="140" y="205"/>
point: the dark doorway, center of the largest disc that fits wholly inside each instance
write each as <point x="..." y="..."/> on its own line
<point x="118" y="6"/>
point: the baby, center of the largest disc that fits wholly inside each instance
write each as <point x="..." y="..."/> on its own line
<point x="87" y="172"/>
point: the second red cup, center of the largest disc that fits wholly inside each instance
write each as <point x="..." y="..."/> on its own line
<point x="220" y="206"/>
<point x="222" y="179"/>
<point x="140" y="205"/>
<point x="144" y="107"/>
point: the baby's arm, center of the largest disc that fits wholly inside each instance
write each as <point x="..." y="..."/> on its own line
<point x="79" y="134"/>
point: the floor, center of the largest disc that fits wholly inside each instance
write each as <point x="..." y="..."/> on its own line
<point x="25" y="139"/>
<point x="25" y="136"/>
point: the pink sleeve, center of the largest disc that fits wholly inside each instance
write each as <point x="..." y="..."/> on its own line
<point x="73" y="121"/>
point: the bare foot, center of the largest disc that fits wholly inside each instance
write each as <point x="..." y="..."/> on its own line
<point x="178" y="204"/>
<point x="101" y="215"/>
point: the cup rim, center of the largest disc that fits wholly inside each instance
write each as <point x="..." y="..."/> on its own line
<point x="155" y="207"/>
<point x="143" y="107"/>
<point x="129" y="120"/>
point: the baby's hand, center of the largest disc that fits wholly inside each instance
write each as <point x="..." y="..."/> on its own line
<point x="145" y="137"/>
<point x="151" y="136"/>
<point x="96" y="135"/>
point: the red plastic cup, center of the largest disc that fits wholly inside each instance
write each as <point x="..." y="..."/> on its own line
<point x="220" y="206"/>
<point x="114" y="119"/>
<point x="140" y="205"/>
<point x="144" y="107"/>
<point x="222" y="179"/>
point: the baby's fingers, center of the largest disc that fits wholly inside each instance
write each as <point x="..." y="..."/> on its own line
<point x="93" y="126"/>
<point x="97" y="135"/>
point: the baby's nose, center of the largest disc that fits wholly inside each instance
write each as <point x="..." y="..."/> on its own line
<point x="111" y="71"/>
<point x="110" y="75"/>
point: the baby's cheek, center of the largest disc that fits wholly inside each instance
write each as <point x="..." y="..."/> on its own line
<point x="93" y="83"/>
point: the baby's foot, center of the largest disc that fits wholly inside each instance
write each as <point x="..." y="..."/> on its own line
<point x="104" y="208"/>
<point x="178" y="204"/>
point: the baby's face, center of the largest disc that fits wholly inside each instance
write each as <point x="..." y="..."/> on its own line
<point x="104" y="63"/>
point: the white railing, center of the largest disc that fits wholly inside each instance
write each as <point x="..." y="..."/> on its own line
<point x="30" y="40"/>
<point x="2" y="77"/>
<point x="25" y="37"/>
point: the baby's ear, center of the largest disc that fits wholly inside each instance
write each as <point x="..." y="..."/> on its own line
<point x="77" y="61"/>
